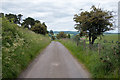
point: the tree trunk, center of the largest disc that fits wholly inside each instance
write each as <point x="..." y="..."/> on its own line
<point x="90" y="43"/>
<point x="93" y="39"/>
<point x="89" y="38"/>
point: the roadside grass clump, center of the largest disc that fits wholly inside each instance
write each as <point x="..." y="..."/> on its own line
<point x="105" y="64"/>
<point x="19" y="47"/>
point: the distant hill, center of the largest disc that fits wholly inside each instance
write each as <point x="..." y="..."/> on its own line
<point x="75" y="32"/>
<point x="110" y="33"/>
<point x="67" y="32"/>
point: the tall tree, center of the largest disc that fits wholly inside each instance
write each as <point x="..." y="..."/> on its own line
<point x="94" y="22"/>
<point x="45" y="27"/>
<point x="39" y="28"/>
<point x="28" y="22"/>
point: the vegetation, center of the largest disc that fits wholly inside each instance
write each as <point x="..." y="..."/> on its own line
<point x="93" y="23"/>
<point x="102" y="58"/>
<point x="23" y="40"/>
<point x="67" y="32"/>
<point x="69" y="36"/>
<point x="19" y="47"/>
<point x="39" y="28"/>
<point x="61" y="35"/>
<point x="101" y="65"/>
<point x="28" y="22"/>
<point x="51" y="32"/>
<point x="13" y="18"/>
<point x="0" y="48"/>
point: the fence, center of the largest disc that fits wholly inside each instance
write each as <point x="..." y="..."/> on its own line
<point x="108" y="52"/>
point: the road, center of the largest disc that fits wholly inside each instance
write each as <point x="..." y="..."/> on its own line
<point x="55" y="62"/>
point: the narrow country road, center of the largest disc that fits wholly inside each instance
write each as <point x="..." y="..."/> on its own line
<point x="55" y="62"/>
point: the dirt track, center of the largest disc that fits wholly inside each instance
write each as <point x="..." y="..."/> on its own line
<point x="55" y="62"/>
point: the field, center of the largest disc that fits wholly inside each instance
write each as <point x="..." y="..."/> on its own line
<point x="19" y="48"/>
<point x="101" y="63"/>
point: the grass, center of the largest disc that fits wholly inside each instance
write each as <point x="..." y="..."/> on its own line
<point x="108" y="38"/>
<point x="105" y="65"/>
<point x="20" y="47"/>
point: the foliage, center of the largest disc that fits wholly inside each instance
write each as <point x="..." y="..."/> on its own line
<point x="94" y="22"/>
<point x="69" y="36"/>
<point x="103" y="65"/>
<point x="53" y="37"/>
<point x="19" y="48"/>
<point x="76" y="39"/>
<point x="39" y="28"/>
<point x="61" y="35"/>
<point x="14" y="18"/>
<point x="51" y="32"/>
<point x="28" y="22"/>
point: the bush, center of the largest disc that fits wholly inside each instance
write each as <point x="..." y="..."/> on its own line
<point x="20" y="46"/>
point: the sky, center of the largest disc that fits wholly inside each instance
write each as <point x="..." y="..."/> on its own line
<point x="57" y="14"/>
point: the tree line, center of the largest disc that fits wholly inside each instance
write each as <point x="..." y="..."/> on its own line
<point x="29" y="23"/>
<point x="60" y="35"/>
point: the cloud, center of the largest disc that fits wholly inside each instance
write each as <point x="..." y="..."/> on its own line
<point x="58" y="14"/>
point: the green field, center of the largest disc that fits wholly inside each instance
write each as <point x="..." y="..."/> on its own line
<point x="19" y="48"/>
<point x="107" y="38"/>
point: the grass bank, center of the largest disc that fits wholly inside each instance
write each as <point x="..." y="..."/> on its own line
<point x="105" y="65"/>
<point x="19" y="47"/>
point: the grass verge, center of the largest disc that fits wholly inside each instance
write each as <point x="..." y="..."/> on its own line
<point x="108" y="67"/>
<point x="19" y="47"/>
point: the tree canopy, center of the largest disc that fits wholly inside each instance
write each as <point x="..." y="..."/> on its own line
<point x="28" y="22"/>
<point x="51" y="32"/>
<point x="39" y="28"/>
<point x="94" y="22"/>
<point x="61" y="35"/>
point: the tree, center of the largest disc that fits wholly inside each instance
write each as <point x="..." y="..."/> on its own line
<point x="61" y="35"/>
<point x="39" y="28"/>
<point x="69" y="36"/>
<point x="37" y="21"/>
<point x="43" y="30"/>
<point x="1" y="14"/>
<point x="45" y="27"/>
<point x="51" y="32"/>
<point x="93" y="23"/>
<point x="12" y="18"/>
<point x="19" y="18"/>
<point x="28" y="22"/>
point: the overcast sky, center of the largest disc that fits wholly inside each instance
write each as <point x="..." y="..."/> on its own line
<point x="57" y="14"/>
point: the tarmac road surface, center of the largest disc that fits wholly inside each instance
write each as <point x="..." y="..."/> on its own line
<point x="55" y="62"/>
